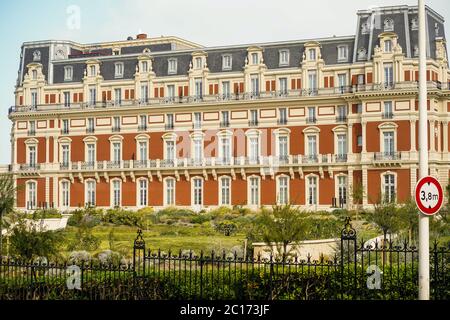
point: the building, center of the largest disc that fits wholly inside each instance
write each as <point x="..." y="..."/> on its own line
<point x="164" y="121"/>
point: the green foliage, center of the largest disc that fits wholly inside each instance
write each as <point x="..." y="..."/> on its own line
<point x="386" y="216"/>
<point x="124" y="217"/>
<point x="45" y="214"/>
<point x="29" y="241"/>
<point x="226" y="227"/>
<point x="7" y="197"/>
<point x="84" y="239"/>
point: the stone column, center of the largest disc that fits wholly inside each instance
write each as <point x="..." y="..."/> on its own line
<point x="47" y="149"/>
<point x="413" y="135"/>
<point x="350" y="183"/>
<point x="445" y="138"/>
<point x="350" y="138"/>
<point x="432" y="137"/>
<point x="364" y="144"/>
<point x="364" y="185"/>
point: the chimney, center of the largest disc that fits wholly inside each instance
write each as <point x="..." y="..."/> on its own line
<point x="141" y="36"/>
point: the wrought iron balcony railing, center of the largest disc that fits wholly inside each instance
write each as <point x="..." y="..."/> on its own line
<point x="385" y="156"/>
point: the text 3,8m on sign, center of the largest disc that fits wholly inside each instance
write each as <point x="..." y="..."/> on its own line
<point x="429" y="195"/>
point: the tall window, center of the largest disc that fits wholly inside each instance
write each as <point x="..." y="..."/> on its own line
<point x="342" y="190"/>
<point x="253" y="117"/>
<point x="32" y="130"/>
<point x="311" y="115"/>
<point x="171" y="91"/>
<point x="226" y="89"/>
<point x="225" y="150"/>
<point x="198" y="192"/>
<point x="143" y="152"/>
<point x="254" y="84"/>
<point x="284" y="58"/>
<point x="144" y="93"/>
<point x="169" y="191"/>
<point x="116" y="193"/>
<point x="225" y="118"/>
<point x="90" y="153"/>
<point x="312" y="146"/>
<point x="283" y="190"/>
<point x="68" y="73"/>
<point x="65" y="126"/>
<point x="65" y="194"/>
<point x="283" y="116"/>
<point x="198" y="88"/>
<point x="90" y="192"/>
<point x="116" y="152"/>
<point x="255" y="59"/>
<point x="283" y="85"/>
<point x="66" y="99"/>
<point x="117" y="96"/>
<point x="198" y="149"/>
<point x="341" y="145"/>
<point x="118" y="70"/>
<point x="92" y="71"/>
<point x="34" y="74"/>
<point x="169" y="123"/>
<point x="254" y="149"/>
<point x="388" y="140"/>
<point x="32" y="156"/>
<point x="225" y="191"/>
<point x="283" y="147"/>
<point x="342" y="79"/>
<point x="312" y="80"/>
<point x="198" y="63"/>
<point x="65" y="154"/>
<point x="144" y="66"/>
<point x="312" y="54"/>
<point x="387" y="46"/>
<point x="342" y="53"/>
<point x="170" y="150"/>
<point x="172" y="66"/>
<point x="342" y="113"/>
<point x="142" y="192"/>
<point x="388" y="114"/>
<point x="389" y="187"/>
<point x="312" y="191"/>
<point x="116" y="124"/>
<point x="32" y="196"/>
<point x="92" y="96"/>
<point x="388" y="74"/>
<point x="34" y="98"/>
<point x="254" y="191"/>
<point x="142" y="122"/>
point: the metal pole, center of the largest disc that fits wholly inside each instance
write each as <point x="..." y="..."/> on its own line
<point x="424" y="237"/>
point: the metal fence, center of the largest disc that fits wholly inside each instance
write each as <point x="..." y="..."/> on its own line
<point x="378" y="270"/>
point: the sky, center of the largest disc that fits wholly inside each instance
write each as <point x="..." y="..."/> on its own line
<point x="209" y="23"/>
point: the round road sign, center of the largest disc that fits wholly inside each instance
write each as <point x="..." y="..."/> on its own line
<point x="429" y="195"/>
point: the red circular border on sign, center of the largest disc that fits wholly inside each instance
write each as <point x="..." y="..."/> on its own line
<point x="423" y="209"/>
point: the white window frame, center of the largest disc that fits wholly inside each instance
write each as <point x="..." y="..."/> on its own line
<point x="90" y="140"/>
<point x="62" y="196"/>
<point x="312" y="54"/>
<point x="32" y="143"/>
<point x="172" y="66"/>
<point x="253" y="134"/>
<point x="249" y="191"/>
<point x="193" y="192"/>
<point x="221" y="198"/>
<point x="172" y="137"/>
<point x="337" y="186"/>
<point x="225" y="134"/>
<point x="165" y="198"/>
<point x="343" y="53"/>
<point x="383" y="186"/>
<point x="139" y="202"/>
<point x="278" y="133"/>
<point x="388" y="127"/>
<point x="112" y="140"/>
<point x="278" y="186"/>
<point x="118" y="70"/>
<point x="307" y="187"/>
<point x="142" y="138"/>
<point x="225" y="66"/>
<point x="68" y="73"/>
<point x="112" y="202"/>
<point x="283" y="57"/>
<point x="87" y="182"/>
<point x="27" y="194"/>
<point x="338" y="131"/>
<point x="312" y="131"/>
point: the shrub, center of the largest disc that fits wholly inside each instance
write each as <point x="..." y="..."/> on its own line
<point x="45" y="214"/>
<point x="226" y="227"/>
<point x="201" y="218"/>
<point x="124" y="217"/>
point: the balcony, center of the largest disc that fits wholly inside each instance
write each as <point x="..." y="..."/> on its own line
<point x="311" y="120"/>
<point x="169" y="126"/>
<point x="341" y="119"/>
<point x="116" y="129"/>
<point x="32" y="132"/>
<point x="387" y="156"/>
<point x="253" y="123"/>
<point x="268" y="95"/>
<point x="282" y="122"/>
<point x="340" y="158"/>
<point x="387" y="115"/>
<point x="142" y="127"/>
<point x="30" y="166"/>
<point x="224" y="124"/>
<point x="311" y="158"/>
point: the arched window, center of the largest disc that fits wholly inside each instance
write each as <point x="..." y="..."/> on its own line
<point x="116" y="193"/>
<point x="282" y="189"/>
<point x="90" y="190"/>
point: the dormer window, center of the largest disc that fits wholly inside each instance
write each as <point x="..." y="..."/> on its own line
<point x="118" y="70"/>
<point x="284" y="57"/>
<point x="68" y="73"/>
<point x="255" y="59"/>
<point x="388" y="25"/>
<point x="388" y="46"/>
<point x="172" y="66"/>
<point x="144" y="66"/>
<point x="312" y="54"/>
<point x="226" y="62"/>
<point x="198" y="63"/>
<point x="116" y="52"/>
<point x="92" y="71"/>
<point x="343" y="53"/>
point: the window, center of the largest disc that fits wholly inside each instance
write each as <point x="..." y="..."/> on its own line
<point x="342" y="113"/>
<point x="283" y="190"/>
<point x="92" y="96"/>
<point x="144" y="93"/>
<point x="312" y="80"/>
<point x="92" y="71"/>
<point x="359" y="108"/>
<point x="360" y="141"/>
<point x="65" y="126"/>
<point x="254" y="149"/>
<point x="143" y="150"/>
<point x="198" y="63"/>
<point x="31" y="195"/>
<point x="312" y="190"/>
<point x="389" y="187"/>
<point x="198" y="88"/>
<point x="225" y="119"/>
<point x="65" y="154"/>
<point x="342" y="53"/>
<point x="90" y="154"/>
<point x="341" y="146"/>
<point x="117" y="96"/>
<point x="198" y="149"/>
<point x="388" y="24"/>
<point x="171" y="92"/>
<point x="283" y="86"/>
<point x="388" y="75"/>
<point x="342" y="79"/>
<point x="311" y="115"/>
<point x="283" y="58"/>
<point x="32" y="130"/>
<point x="116" y="124"/>
<point x="169" y="123"/>
<point x="90" y="192"/>
<point x="116" y="152"/>
<point x="118" y="70"/>
<point x="283" y="152"/>
<point x="64" y="194"/>
<point x="34" y="74"/>
<point x="227" y="62"/>
<point x="144" y="66"/>
<point x="169" y="193"/>
<point x="142" y="192"/>
<point x="312" y="146"/>
<point x="254" y="80"/>
<point x="90" y="125"/>
<point x="197" y="191"/>
<point x="255" y="58"/>
<point x="388" y="143"/>
<point x="225" y="149"/>
<point x="361" y="79"/>
<point x="226" y="89"/>
<point x="170" y="150"/>
<point x="312" y="54"/>
<point x="253" y="117"/>
<point x="34" y="98"/>
<point x="68" y="73"/>
<point x="225" y="191"/>
<point x="32" y="156"/>
<point x="66" y="99"/>
<point x="342" y="190"/>
<point x="172" y="66"/>
<point x="142" y="122"/>
<point x="254" y="191"/>
<point x="283" y="116"/>
<point x="387" y="113"/>
<point x="116" y="186"/>
<point x="387" y="46"/>
<point x="197" y="120"/>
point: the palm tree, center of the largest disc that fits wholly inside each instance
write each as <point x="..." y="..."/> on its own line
<point x="7" y="197"/>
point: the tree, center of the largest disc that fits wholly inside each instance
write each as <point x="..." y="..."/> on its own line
<point x="409" y="216"/>
<point x="385" y="216"/>
<point x="84" y="238"/>
<point x="28" y="240"/>
<point x="357" y="192"/>
<point x="7" y="197"/>
<point x="280" y="227"/>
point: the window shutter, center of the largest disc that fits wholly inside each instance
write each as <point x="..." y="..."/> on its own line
<point x="132" y="94"/>
<point x="416" y="75"/>
<point x="46" y="99"/>
<point x="75" y="97"/>
<point x="216" y="88"/>
<point x="273" y="85"/>
<point x="236" y="87"/>
<point x="241" y="87"/>
<point x="180" y="91"/>
<point x="407" y="75"/>
<point x="369" y="77"/>
<point x="428" y="75"/>
<point x="211" y="88"/>
<point x="80" y="97"/>
<point x="325" y="82"/>
<point x="299" y="83"/>
<point x="104" y="96"/>
<point x="108" y="96"/>
<point x="331" y="81"/>
<point x="156" y="93"/>
<point x="186" y="91"/>
<point x="161" y="92"/>
<point x="20" y="100"/>
<point x="354" y="79"/>
<point x="267" y="85"/>
<point x="53" y="98"/>
<point x="127" y="94"/>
